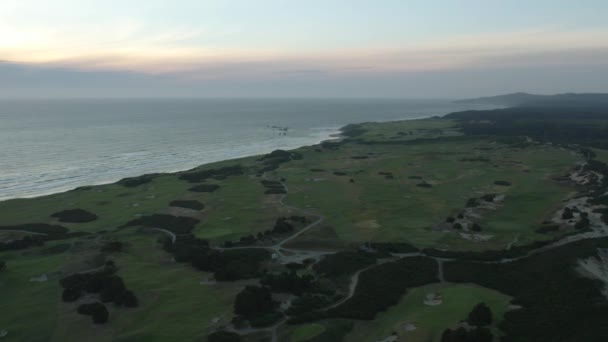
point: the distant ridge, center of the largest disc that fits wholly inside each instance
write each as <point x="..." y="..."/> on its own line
<point x="531" y="100"/>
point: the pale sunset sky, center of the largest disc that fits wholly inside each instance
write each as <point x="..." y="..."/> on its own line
<point x="313" y="48"/>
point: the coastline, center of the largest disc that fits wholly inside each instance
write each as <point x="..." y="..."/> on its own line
<point x="331" y="134"/>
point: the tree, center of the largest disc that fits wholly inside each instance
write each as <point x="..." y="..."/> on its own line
<point x="2" y="265"/>
<point x="224" y="336"/>
<point x="98" y="312"/>
<point x="254" y="300"/>
<point x="481" y="315"/>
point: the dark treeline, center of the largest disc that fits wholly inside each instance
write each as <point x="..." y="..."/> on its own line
<point x="255" y="304"/>
<point x="75" y="216"/>
<point x="558" y="303"/>
<point x="188" y="204"/>
<point x="106" y="283"/>
<point x="488" y="255"/>
<point x="582" y="125"/>
<point x="273" y="160"/>
<point x="217" y="174"/>
<point x="379" y="288"/>
<point x="344" y="263"/>
<point x="282" y="226"/>
<point x="137" y="181"/>
<point x="227" y="265"/>
<point x="51" y="233"/>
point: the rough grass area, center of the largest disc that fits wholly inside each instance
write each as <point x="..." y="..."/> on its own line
<point x="430" y="321"/>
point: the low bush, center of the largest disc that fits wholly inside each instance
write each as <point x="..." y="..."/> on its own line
<point x="204" y="188"/>
<point x="188" y="204"/>
<point x="98" y="312"/>
<point x="75" y="216"/>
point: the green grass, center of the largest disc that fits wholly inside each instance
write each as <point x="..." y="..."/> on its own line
<point x="173" y="305"/>
<point x="430" y="321"/>
<point x="305" y="332"/>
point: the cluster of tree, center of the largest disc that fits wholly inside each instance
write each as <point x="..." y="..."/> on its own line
<point x="217" y="174"/>
<point x="137" y="181"/>
<point x="502" y="183"/>
<point x="204" y="188"/>
<point x="273" y="187"/>
<point x="353" y="130"/>
<point x="224" y="336"/>
<point x="273" y="160"/>
<point x="330" y="145"/>
<point x="174" y="224"/>
<point x="391" y="247"/>
<point x="112" y="247"/>
<point x="227" y="265"/>
<point x="41" y="228"/>
<point x="188" y="204"/>
<point x="51" y="233"/>
<point x="480" y="316"/>
<point x="282" y="226"/>
<point x="23" y="243"/>
<point x="344" y="263"/>
<point x="467" y="335"/>
<point x="255" y="304"/>
<point x="382" y="286"/>
<point x="387" y="175"/>
<point x="488" y="255"/>
<point x="289" y="282"/>
<point x="557" y="303"/>
<point x="106" y="283"/>
<point x="309" y="303"/>
<point x="379" y="288"/>
<point x="75" y="216"/>
<point x="98" y="312"/>
<point x="540" y="123"/>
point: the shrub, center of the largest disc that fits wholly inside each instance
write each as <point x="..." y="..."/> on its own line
<point x="204" y="188"/>
<point x="567" y="214"/>
<point x="221" y="173"/>
<point x="75" y="216"/>
<point x="253" y="301"/>
<point x="112" y="246"/>
<point x="98" y="312"/>
<point x="136" y="181"/>
<point x="481" y="315"/>
<point x="224" y="336"/>
<point x="502" y="183"/>
<point x="344" y="263"/>
<point x="188" y="204"/>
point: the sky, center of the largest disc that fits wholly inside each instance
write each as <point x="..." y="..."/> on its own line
<point x="313" y="48"/>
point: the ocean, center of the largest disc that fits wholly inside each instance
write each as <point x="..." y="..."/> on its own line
<point x="49" y="146"/>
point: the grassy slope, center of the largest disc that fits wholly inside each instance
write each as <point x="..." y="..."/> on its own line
<point x="174" y="305"/>
<point x="430" y="321"/>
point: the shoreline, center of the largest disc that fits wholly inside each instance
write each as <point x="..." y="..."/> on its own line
<point x="334" y="133"/>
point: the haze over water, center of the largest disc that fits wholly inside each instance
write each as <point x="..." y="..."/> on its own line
<point x="48" y="146"/>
